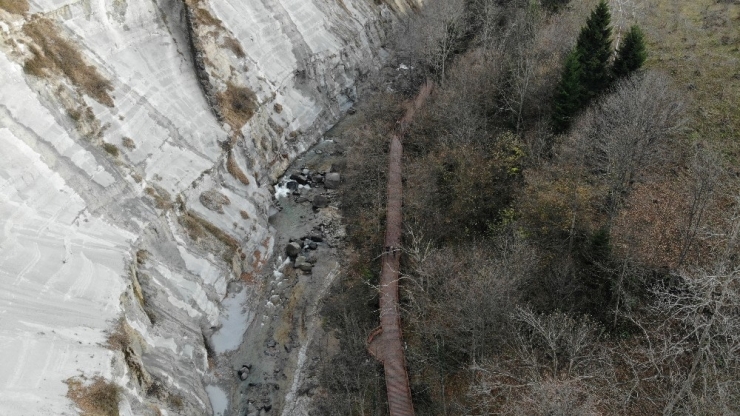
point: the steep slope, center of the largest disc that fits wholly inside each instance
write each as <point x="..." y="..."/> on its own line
<point x="140" y="142"/>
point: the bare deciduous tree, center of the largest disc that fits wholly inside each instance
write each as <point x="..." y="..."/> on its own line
<point x="486" y="15"/>
<point x="707" y="173"/>
<point x="458" y="302"/>
<point x="628" y="130"/>
<point x="523" y="60"/>
<point x="432" y="36"/>
<point x="555" y="365"/>
<point x="689" y="359"/>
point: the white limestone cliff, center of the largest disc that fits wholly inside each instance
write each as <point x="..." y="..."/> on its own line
<point x="139" y="140"/>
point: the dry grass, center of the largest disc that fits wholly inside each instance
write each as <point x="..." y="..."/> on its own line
<point x="119" y="338"/>
<point x="54" y="55"/>
<point x="198" y="228"/>
<point x="234" y="46"/>
<point x="122" y="338"/>
<point x="99" y="398"/>
<point x="145" y="300"/>
<point x="162" y="198"/>
<point x="202" y="15"/>
<point x="237" y="105"/>
<point x="14" y="6"/>
<point x="649" y="228"/>
<point x="85" y="122"/>
<point x="234" y="170"/>
<point x="697" y="42"/>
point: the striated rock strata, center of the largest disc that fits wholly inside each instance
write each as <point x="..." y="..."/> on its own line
<point x="140" y="140"/>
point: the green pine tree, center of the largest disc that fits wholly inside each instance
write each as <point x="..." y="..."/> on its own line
<point x="631" y="54"/>
<point x="595" y="49"/>
<point x="569" y="94"/>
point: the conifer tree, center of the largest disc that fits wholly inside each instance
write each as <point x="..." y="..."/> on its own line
<point x="631" y="54"/>
<point x="594" y="47"/>
<point x="569" y="94"/>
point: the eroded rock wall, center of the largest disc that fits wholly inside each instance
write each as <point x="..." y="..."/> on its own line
<point x="140" y="139"/>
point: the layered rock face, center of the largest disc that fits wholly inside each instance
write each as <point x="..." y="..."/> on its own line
<point x="140" y="140"/>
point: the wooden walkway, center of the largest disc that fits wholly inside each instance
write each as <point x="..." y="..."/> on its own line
<point x="386" y="342"/>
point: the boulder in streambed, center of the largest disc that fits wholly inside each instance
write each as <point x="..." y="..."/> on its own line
<point x="243" y="373"/>
<point x="293" y="249"/>
<point x="302" y="180"/>
<point x="331" y="180"/>
<point x="320" y="201"/>
<point x="302" y="264"/>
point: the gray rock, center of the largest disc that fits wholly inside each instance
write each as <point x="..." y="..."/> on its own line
<point x="320" y="201"/>
<point x="303" y="264"/>
<point x="293" y="249"/>
<point x="313" y="245"/>
<point x="292" y="185"/>
<point x="243" y="373"/>
<point x="331" y="181"/>
<point x="317" y="238"/>
<point x="214" y="200"/>
<point x="302" y="180"/>
<point x="305" y="172"/>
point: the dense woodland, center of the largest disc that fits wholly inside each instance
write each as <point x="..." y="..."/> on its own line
<point x="571" y="211"/>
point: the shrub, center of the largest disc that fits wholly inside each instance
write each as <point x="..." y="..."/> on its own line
<point x="237" y="104"/>
<point x="461" y="190"/>
<point x="128" y="143"/>
<point x="111" y="148"/>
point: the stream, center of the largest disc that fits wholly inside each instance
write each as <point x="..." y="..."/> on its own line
<point x="265" y="357"/>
